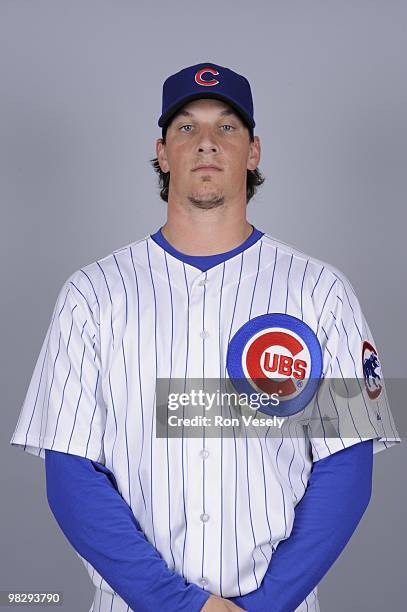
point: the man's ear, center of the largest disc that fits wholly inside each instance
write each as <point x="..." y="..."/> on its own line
<point x="254" y="154"/>
<point x="161" y="155"/>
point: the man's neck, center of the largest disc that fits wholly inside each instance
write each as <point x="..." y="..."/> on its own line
<point x="205" y="238"/>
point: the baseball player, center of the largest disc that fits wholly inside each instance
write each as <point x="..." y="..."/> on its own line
<point x="249" y="518"/>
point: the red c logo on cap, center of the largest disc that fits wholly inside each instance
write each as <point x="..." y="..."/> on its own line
<point x="200" y="81"/>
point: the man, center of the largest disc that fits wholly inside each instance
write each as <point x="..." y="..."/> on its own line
<point x="248" y="518"/>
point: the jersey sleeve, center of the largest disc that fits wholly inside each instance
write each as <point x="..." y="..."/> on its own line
<point x="351" y="404"/>
<point x="63" y="408"/>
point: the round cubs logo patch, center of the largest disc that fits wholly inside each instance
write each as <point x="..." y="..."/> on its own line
<point x="276" y="354"/>
<point x="372" y="371"/>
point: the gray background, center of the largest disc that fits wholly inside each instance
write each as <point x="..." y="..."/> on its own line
<point x="80" y="95"/>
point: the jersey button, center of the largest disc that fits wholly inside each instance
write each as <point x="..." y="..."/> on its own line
<point x="202" y="282"/>
<point x="203" y="581"/>
<point x="204" y="517"/>
<point x="204" y="453"/>
<point x="204" y="333"/>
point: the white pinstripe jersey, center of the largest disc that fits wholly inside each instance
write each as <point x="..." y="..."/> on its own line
<point x="138" y="314"/>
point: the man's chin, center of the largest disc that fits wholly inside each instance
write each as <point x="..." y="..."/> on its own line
<point x="206" y="200"/>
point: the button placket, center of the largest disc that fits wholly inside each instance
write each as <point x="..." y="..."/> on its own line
<point x="198" y="292"/>
<point x="204" y="333"/>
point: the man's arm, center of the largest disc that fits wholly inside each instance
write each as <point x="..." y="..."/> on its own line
<point x="99" y="524"/>
<point x="331" y="507"/>
<point x="337" y="495"/>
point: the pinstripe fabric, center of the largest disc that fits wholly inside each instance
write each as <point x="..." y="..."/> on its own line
<point x="138" y="314"/>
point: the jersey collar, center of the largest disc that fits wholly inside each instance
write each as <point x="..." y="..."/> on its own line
<point x="204" y="262"/>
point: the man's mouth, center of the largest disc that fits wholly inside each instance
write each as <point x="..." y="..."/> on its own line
<point x="207" y="167"/>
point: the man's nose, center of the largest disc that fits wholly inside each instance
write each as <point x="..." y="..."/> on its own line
<point x="207" y="142"/>
<point x="207" y="146"/>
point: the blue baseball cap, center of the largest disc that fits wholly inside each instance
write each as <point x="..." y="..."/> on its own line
<point x="207" y="80"/>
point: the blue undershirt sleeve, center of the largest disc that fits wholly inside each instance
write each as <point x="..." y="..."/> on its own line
<point x="336" y="497"/>
<point x="99" y="524"/>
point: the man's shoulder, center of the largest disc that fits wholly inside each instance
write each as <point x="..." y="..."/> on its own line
<point x="319" y="269"/>
<point x="100" y="276"/>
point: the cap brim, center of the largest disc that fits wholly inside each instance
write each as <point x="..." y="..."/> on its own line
<point x="165" y="119"/>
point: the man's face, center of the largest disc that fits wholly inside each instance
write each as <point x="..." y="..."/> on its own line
<point x="207" y="131"/>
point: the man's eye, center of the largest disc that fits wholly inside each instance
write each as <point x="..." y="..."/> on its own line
<point x="189" y="125"/>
